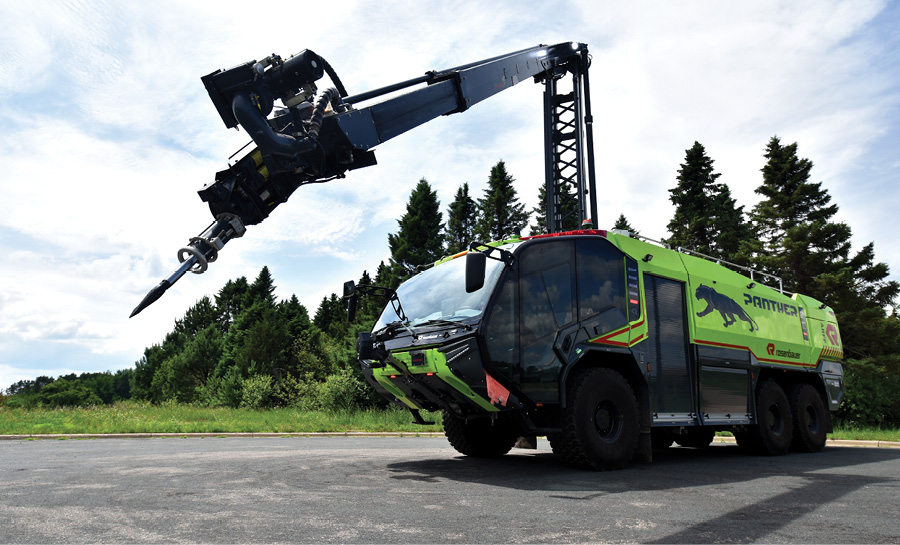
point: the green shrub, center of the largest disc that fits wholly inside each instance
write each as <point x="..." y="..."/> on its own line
<point x="258" y="392"/>
<point x="67" y="393"/>
<point x="298" y="393"/>
<point x="229" y="393"/>
<point x="872" y="393"/>
<point x="23" y="401"/>
<point x="343" y="391"/>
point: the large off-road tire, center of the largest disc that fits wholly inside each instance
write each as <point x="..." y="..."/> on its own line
<point x="696" y="437"/>
<point x="480" y="437"/>
<point x="809" y="418"/>
<point x="774" y="431"/>
<point x="601" y="423"/>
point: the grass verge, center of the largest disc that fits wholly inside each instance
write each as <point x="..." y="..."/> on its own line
<point x="137" y="417"/>
<point x="855" y="434"/>
<point x="133" y="417"/>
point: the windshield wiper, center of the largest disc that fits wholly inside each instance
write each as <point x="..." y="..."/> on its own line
<point x="441" y="321"/>
<point x="397" y="324"/>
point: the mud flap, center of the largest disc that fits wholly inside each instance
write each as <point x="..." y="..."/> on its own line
<point x="644" y="450"/>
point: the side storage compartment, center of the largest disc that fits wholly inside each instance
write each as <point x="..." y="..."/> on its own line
<point x="726" y="385"/>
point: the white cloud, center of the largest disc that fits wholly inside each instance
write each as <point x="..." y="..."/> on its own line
<point x="108" y="133"/>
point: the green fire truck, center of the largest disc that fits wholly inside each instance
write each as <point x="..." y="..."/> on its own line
<point x="609" y="346"/>
<point x="606" y="344"/>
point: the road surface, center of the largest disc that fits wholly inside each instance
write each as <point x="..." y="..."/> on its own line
<point x="419" y="490"/>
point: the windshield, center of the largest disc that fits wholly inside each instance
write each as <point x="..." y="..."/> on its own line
<point x="439" y="293"/>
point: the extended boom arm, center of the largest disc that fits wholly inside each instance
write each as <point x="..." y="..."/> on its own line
<point x="318" y="136"/>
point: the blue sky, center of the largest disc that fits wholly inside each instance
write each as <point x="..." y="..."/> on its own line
<point x="107" y="133"/>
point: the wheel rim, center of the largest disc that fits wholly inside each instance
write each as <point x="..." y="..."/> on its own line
<point x="774" y="420"/>
<point x="811" y="419"/>
<point x="608" y="420"/>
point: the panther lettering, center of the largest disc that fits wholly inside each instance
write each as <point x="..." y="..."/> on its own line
<point x="730" y="310"/>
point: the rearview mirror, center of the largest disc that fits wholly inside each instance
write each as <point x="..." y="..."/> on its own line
<point x="350" y="296"/>
<point x="475" y="266"/>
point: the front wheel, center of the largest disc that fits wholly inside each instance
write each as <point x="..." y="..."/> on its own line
<point x="601" y="424"/>
<point x="480" y="437"/>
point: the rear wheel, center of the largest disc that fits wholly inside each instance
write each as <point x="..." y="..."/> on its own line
<point x="696" y="437"/>
<point x="774" y="430"/>
<point x="809" y="419"/>
<point x="480" y="437"/>
<point x="601" y="424"/>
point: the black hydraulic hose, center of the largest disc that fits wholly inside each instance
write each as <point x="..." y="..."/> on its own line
<point x="334" y="77"/>
<point x="315" y="122"/>
<point x="259" y="130"/>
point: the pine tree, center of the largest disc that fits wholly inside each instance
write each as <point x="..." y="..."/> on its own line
<point x="461" y="218"/>
<point x="331" y="315"/>
<point x="732" y="230"/>
<point x="262" y="289"/>
<point x="706" y="218"/>
<point x="798" y="240"/>
<point x="230" y="301"/>
<point x="501" y="215"/>
<point x="568" y="209"/>
<point x="419" y="240"/>
<point x="623" y="225"/>
<point x="294" y="314"/>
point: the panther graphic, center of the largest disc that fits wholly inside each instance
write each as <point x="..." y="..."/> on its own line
<point x="730" y="310"/>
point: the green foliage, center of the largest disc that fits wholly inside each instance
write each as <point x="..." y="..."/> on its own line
<point x="501" y="215"/>
<point x="344" y="391"/>
<point x="71" y="390"/>
<point x="461" y="219"/>
<point x="623" y="225"/>
<point x="23" y="401"/>
<point x="872" y="393"/>
<point x="258" y="392"/>
<point x="796" y="237"/>
<point x="27" y="387"/>
<point x="568" y="209"/>
<point x="144" y="417"/>
<point x="67" y="393"/>
<point x="798" y="240"/>
<point x="420" y="239"/>
<point x="706" y="218"/>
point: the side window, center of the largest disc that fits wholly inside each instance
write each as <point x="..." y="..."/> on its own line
<point x="601" y="279"/>
<point x="545" y="273"/>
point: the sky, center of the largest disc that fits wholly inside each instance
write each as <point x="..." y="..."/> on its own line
<point x="107" y="133"/>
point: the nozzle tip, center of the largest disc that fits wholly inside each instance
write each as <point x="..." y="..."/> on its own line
<point x="151" y="297"/>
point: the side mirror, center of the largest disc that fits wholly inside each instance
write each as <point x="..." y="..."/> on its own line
<point x="350" y="296"/>
<point x="475" y="266"/>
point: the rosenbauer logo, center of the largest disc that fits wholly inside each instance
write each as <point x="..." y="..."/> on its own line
<point x="832" y="334"/>
<point x="772" y="351"/>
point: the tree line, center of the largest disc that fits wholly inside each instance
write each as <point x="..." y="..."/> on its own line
<point x="243" y="348"/>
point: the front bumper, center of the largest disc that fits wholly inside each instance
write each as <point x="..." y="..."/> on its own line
<point x="437" y="377"/>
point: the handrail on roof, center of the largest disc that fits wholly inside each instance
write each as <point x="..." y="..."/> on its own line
<point x="753" y="272"/>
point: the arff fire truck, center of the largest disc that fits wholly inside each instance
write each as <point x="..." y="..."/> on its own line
<point x="608" y="346"/>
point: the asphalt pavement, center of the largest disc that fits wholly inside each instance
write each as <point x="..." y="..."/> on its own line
<point x="419" y="490"/>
